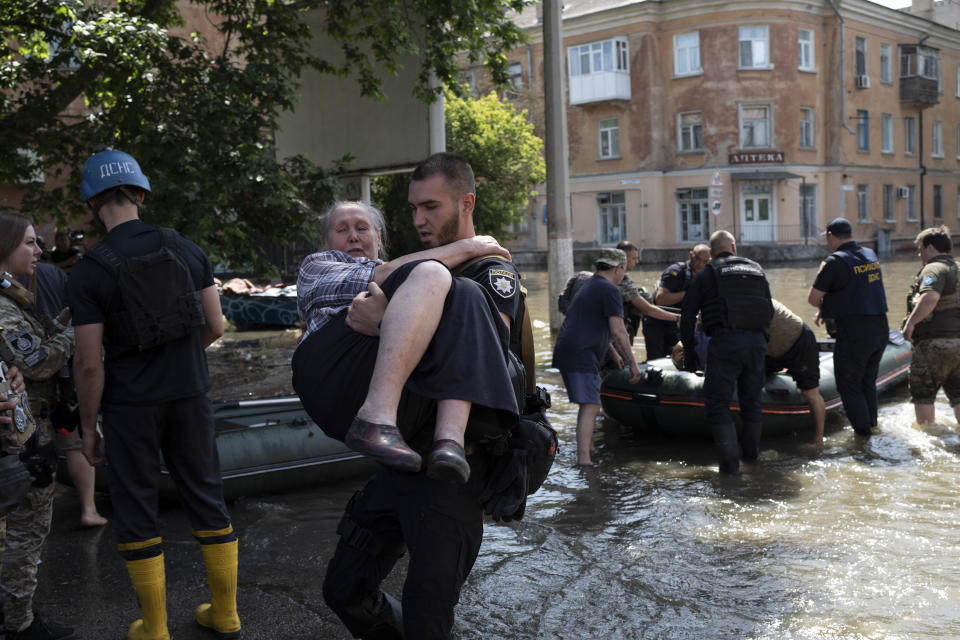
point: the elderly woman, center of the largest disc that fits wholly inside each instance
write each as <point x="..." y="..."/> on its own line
<point x="39" y="355"/>
<point x="435" y="339"/>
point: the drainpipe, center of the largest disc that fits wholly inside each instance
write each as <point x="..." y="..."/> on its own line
<point x="923" y="167"/>
<point x="843" y="70"/>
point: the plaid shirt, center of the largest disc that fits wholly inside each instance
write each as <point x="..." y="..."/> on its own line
<point x="327" y="284"/>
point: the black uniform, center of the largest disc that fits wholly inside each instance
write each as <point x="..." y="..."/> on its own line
<point x="855" y="308"/>
<point x="659" y="336"/>
<point x="733" y="297"/>
<point x="154" y="401"/>
<point x="440" y="524"/>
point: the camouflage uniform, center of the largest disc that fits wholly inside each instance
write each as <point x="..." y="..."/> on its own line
<point x="39" y="356"/>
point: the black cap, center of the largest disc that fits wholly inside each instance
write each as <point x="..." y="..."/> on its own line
<point x="839" y="227"/>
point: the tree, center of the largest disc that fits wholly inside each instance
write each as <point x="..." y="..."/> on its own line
<point x="507" y="161"/>
<point x="200" y="112"/>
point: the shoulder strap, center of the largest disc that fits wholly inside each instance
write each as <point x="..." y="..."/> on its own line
<point x="104" y="255"/>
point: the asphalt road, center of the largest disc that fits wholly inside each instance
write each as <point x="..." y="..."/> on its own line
<point x="285" y="543"/>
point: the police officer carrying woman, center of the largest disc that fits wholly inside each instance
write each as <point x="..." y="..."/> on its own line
<point x="39" y="354"/>
<point x="849" y="294"/>
<point x="733" y="297"/>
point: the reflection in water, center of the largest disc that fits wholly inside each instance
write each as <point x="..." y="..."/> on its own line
<point x="854" y="539"/>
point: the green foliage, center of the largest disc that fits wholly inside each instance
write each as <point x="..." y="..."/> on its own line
<point x="507" y="161"/>
<point x="77" y="77"/>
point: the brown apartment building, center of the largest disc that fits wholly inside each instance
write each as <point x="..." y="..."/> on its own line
<point x="765" y="118"/>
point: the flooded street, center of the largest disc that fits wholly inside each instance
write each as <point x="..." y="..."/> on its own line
<point x="852" y="540"/>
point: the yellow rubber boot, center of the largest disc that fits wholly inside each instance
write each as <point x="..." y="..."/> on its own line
<point x="150" y="584"/>
<point x="221" y="613"/>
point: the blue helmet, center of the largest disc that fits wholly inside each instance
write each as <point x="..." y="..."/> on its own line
<point x="109" y="169"/>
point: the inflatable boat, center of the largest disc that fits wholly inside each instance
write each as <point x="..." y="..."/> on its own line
<point x="267" y="446"/>
<point x="671" y="401"/>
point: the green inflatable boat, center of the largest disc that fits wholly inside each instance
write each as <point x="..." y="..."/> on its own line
<point x="267" y="446"/>
<point x="671" y="401"/>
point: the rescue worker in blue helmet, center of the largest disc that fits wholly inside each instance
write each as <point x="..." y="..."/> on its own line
<point x="152" y="389"/>
<point x="849" y="295"/>
<point x="733" y="297"/>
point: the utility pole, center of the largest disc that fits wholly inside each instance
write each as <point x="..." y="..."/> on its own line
<point x="559" y="238"/>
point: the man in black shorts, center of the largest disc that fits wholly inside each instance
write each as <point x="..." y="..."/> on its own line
<point x="438" y="523"/>
<point x="791" y="345"/>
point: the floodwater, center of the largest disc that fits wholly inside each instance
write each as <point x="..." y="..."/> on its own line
<point x="852" y="540"/>
<point x="857" y="539"/>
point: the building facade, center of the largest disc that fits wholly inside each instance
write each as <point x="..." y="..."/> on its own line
<point x="765" y="118"/>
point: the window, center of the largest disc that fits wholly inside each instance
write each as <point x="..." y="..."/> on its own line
<point x="805" y="50"/>
<point x="936" y="133"/>
<point x="692" y="218"/>
<point x="690" y="131"/>
<point x="861" y="57"/>
<point x="920" y="61"/>
<point x="938" y="202"/>
<point x="806" y="128"/>
<point x="612" y="217"/>
<point x="755" y="126"/>
<point x="755" y="47"/>
<point x="516" y="76"/>
<point x="886" y="133"/>
<point x="886" y="63"/>
<point x="863" y="130"/>
<point x="609" y="138"/>
<point x="808" y="211"/>
<point x="958" y="142"/>
<point x="467" y="78"/>
<point x="609" y="55"/>
<point x="863" y="203"/>
<point x="888" y="203"/>
<point x="911" y="203"/>
<point x="909" y="135"/>
<point x="686" y="54"/>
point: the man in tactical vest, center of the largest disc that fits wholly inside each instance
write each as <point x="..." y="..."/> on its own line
<point x="732" y="296"/>
<point x="848" y="291"/>
<point x="146" y="294"/>
<point x="660" y="335"/>
<point x="440" y="524"/>
<point x="933" y="325"/>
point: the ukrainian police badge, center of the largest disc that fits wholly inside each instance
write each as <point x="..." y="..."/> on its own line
<point x="502" y="282"/>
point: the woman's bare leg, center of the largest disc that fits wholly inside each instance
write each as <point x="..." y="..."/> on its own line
<point x="408" y="325"/>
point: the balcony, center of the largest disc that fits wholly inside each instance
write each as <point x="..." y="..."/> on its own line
<point x="919" y="75"/>
<point x="920" y="90"/>
<point x="600" y="86"/>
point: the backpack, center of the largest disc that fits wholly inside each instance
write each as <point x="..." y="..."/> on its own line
<point x="159" y="301"/>
<point x="574" y="284"/>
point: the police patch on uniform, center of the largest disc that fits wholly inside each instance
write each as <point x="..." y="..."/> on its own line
<point x="24" y="343"/>
<point x="928" y="280"/>
<point x="503" y="282"/>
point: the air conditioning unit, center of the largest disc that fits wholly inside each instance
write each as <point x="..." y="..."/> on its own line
<point x="863" y="82"/>
<point x="903" y="192"/>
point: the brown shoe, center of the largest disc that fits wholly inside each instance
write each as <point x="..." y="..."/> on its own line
<point x="383" y="443"/>
<point x="448" y="462"/>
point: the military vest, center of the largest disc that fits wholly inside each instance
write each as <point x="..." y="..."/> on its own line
<point x="945" y="318"/>
<point x="864" y="294"/>
<point x="743" y="298"/>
